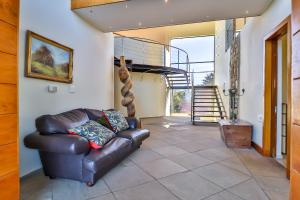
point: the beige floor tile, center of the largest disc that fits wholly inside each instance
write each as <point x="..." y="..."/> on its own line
<point x="192" y="146"/>
<point x="273" y="195"/>
<point x="170" y="151"/>
<point x="100" y="188"/>
<point x="154" y="143"/>
<point x="259" y="165"/>
<point x="217" y="154"/>
<point x="190" y="160"/>
<point x="224" y="196"/>
<point x="189" y="186"/>
<point x="221" y="175"/>
<point x="162" y="168"/>
<point x="36" y="187"/>
<point x="109" y="196"/>
<point x="148" y="191"/>
<point x="236" y="163"/>
<point x="68" y="190"/>
<point x="249" y="190"/>
<point x="144" y="155"/>
<point x="123" y="177"/>
<point x="273" y="183"/>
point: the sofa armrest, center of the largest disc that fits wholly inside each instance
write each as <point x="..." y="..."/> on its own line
<point x="57" y="143"/>
<point x="132" y="122"/>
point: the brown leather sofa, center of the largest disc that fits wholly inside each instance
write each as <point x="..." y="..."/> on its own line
<point x="69" y="156"/>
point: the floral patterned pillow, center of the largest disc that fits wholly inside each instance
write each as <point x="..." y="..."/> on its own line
<point x="116" y="120"/>
<point x="95" y="133"/>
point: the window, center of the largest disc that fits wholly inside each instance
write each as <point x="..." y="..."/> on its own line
<point x="201" y="51"/>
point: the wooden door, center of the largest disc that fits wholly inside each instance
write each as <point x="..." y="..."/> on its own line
<point x="9" y="161"/>
<point x="295" y="135"/>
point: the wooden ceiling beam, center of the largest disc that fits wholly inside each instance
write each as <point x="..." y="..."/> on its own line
<point x="77" y="4"/>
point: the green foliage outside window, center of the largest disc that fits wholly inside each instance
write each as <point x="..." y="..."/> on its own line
<point x="178" y="98"/>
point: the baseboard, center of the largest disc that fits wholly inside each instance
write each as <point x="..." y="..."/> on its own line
<point x="257" y="148"/>
<point x="34" y="172"/>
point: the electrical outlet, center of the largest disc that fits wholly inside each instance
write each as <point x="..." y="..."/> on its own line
<point x="52" y="88"/>
<point x="260" y="118"/>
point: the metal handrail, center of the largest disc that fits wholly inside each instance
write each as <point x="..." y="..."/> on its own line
<point x="192" y="98"/>
<point x="164" y="46"/>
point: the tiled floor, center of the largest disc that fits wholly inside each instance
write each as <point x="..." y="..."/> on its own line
<point x="178" y="162"/>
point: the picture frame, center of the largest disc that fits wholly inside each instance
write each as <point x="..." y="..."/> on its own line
<point x="47" y="59"/>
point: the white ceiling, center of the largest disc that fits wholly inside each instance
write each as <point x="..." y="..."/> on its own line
<point x="135" y="14"/>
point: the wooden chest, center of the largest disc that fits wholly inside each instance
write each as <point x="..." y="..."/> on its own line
<point x="236" y="135"/>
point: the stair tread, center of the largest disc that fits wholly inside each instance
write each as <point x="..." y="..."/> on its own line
<point x="209" y="106"/>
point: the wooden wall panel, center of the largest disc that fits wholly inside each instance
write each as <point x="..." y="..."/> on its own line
<point x="8" y="159"/>
<point x="8" y="38"/>
<point x="295" y="135"/>
<point x="296" y="100"/>
<point x="295" y="16"/>
<point x="8" y="105"/>
<point x="8" y="129"/>
<point x="9" y="189"/>
<point x="296" y="56"/>
<point x="295" y="185"/>
<point x="9" y="10"/>
<point x="8" y="68"/>
<point x="296" y="148"/>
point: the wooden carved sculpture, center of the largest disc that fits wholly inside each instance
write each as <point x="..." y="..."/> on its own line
<point x="128" y="99"/>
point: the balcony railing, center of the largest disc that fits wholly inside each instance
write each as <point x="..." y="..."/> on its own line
<point x="149" y="52"/>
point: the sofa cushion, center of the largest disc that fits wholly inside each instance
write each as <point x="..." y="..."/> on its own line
<point x="60" y="123"/>
<point x="93" y="114"/>
<point x="114" y="151"/>
<point x="116" y="120"/>
<point x="135" y="135"/>
<point x="95" y="133"/>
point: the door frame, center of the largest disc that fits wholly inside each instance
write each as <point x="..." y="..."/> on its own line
<point x="270" y="89"/>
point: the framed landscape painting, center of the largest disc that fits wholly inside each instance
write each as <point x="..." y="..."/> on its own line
<point x="47" y="59"/>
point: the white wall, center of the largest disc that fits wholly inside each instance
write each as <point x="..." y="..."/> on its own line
<point x="222" y="60"/>
<point x="149" y="91"/>
<point x="93" y="68"/>
<point x="252" y="62"/>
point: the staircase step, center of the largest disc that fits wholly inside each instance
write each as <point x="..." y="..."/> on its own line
<point x="209" y="106"/>
<point x="206" y="98"/>
<point x="176" y="76"/>
<point x="179" y="83"/>
<point x="207" y="111"/>
<point x="205" y="93"/>
<point x="183" y="79"/>
<point x="216" y="116"/>
<point x="205" y="102"/>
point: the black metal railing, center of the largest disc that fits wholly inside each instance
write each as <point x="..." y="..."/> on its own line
<point x="150" y="52"/>
<point x="284" y="115"/>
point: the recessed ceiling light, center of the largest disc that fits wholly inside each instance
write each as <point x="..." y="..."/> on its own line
<point x="140" y="23"/>
<point x="207" y="16"/>
<point x="166" y="1"/>
<point x="247" y="11"/>
<point x="126" y="5"/>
